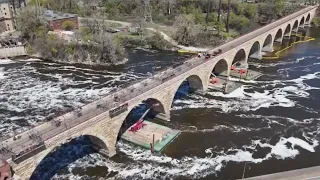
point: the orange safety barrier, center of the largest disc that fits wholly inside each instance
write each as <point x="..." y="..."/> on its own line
<point x="214" y="80"/>
<point x="242" y="71"/>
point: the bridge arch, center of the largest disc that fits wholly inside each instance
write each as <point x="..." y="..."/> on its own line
<point x="67" y="153"/>
<point x="149" y="107"/>
<point x="240" y="56"/>
<point x="295" y="26"/>
<point x="287" y="31"/>
<point x="268" y="44"/>
<point x="301" y="24"/>
<point x="221" y="67"/>
<point x="308" y="19"/>
<point x="255" y="50"/>
<point x="194" y="82"/>
<point x="278" y="37"/>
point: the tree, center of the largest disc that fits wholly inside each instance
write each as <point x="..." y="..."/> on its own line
<point x="219" y="14"/>
<point x="141" y="23"/>
<point x="28" y="21"/>
<point x="266" y="13"/>
<point x="169" y="4"/>
<point x="185" y="28"/>
<point x="228" y="17"/>
<point x="238" y="21"/>
<point x="208" y="12"/>
<point x="110" y="50"/>
<point x="279" y="6"/>
<point x="68" y="25"/>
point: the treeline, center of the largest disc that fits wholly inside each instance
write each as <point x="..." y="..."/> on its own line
<point x="89" y="46"/>
<point x="204" y="12"/>
<point x="202" y="23"/>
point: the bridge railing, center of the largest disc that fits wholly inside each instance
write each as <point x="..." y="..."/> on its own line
<point x="52" y="130"/>
<point x="274" y="24"/>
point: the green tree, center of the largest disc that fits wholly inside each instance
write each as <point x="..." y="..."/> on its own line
<point x="250" y="11"/>
<point x="158" y="42"/>
<point x="279" y="6"/>
<point x="266" y="13"/>
<point x="238" y="22"/>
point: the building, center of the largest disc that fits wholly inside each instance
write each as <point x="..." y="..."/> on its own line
<point x="7" y="23"/>
<point x="5" y="171"/>
<point x="55" y="20"/>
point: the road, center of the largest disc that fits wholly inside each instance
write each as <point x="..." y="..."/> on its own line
<point x="312" y="173"/>
<point x="49" y="130"/>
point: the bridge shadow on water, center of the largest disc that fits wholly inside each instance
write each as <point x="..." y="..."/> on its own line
<point x="182" y="91"/>
<point x="63" y="156"/>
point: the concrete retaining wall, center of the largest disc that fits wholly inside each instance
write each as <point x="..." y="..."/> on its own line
<point x="6" y="52"/>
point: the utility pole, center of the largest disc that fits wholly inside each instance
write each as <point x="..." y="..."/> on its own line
<point x="147" y="11"/>
<point x="228" y="17"/>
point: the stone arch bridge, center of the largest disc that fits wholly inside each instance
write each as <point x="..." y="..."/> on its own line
<point x="103" y="119"/>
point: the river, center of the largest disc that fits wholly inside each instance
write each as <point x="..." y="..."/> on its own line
<point x="269" y="125"/>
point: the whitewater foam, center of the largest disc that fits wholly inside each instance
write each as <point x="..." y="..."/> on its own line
<point x="146" y="165"/>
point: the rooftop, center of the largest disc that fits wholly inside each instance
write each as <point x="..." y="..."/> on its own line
<point x="50" y="15"/>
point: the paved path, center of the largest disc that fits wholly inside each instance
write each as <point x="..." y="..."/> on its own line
<point x="49" y="130"/>
<point x="312" y="173"/>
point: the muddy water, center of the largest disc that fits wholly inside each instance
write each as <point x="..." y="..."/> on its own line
<point x="270" y="124"/>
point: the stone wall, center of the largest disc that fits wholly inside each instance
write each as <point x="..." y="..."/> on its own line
<point x="6" y="52"/>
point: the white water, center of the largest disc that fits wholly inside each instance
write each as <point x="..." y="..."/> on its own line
<point x="2" y="76"/>
<point x="148" y="166"/>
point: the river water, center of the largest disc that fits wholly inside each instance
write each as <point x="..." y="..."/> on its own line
<point x="269" y="125"/>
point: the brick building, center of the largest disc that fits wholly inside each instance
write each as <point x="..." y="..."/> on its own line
<point x="5" y="171"/>
<point x="55" y="20"/>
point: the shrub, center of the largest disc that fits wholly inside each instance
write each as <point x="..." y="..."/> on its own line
<point x="68" y="25"/>
<point x="158" y="42"/>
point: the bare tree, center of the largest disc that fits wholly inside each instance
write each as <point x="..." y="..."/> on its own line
<point x="185" y="28"/>
<point x="109" y="50"/>
<point x="208" y="12"/>
<point x="168" y="5"/>
<point x="228" y="17"/>
<point x="28" y="20"/>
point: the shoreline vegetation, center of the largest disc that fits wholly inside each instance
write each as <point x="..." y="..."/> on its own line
<point x="173" y="24"/>
<point x="316" y="19"/>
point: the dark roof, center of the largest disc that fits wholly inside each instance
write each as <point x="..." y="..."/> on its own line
<point x="51" y="15"/>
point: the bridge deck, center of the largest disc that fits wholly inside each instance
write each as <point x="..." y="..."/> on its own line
<point x="143" y="137"/>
